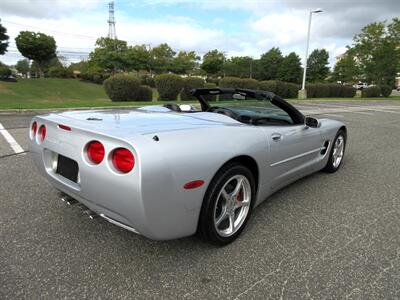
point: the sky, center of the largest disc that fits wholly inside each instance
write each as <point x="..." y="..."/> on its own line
<point x="238" y="28"/>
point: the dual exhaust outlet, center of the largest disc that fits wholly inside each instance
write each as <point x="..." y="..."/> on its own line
<point x="71" y="201"/>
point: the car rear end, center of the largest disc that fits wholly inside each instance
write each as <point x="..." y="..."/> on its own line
<point x="100" y="171"/>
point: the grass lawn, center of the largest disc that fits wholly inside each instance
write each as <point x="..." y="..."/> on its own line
<point x="66" y="93"/>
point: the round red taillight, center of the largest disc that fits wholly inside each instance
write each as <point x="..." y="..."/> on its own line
<point x="95" y="152"/>
<point x="42" y="133"/>
<point x="34" y="129"/>
<point x="123" y="160"/>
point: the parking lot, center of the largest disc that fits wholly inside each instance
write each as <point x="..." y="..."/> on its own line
<point x="325" y="236"/>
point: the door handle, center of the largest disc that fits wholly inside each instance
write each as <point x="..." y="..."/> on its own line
<point x="276" y="137"/>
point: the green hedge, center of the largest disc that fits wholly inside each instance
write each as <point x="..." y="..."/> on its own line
<point x="122" y="87"/>
<point x="147" y="80"/>
<point x="169" y="86"/>
<point x="189" y="84"/>
<point x="250" y="83"/>
<point x="349" y="91"/>
<point x="59" y="72"/>
<point x="209" y="85"/>
<point x="94" y="74"/>
<point x="229" y="82"/>
<point x="214" y="80"/>
<point x="5" y="71"/>
<point x="144" y="93"/>
<point x="329" y="90"/>
<point x="372" y="91"/>
<point x="386" y="90"/>
<point x="280" y="88"/>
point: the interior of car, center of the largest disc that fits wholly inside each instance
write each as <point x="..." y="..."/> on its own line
<point x="246" y="106"/>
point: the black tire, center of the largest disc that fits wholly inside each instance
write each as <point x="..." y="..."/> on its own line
<point x="206" y="227"/>
<point x="330" y="167"/>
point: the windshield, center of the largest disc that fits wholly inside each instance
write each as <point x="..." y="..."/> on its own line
<point x="250" y="110"/>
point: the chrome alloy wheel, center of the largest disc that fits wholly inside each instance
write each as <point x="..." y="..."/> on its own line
<point x="338" y="149"/>
<point x="232" y="205"/>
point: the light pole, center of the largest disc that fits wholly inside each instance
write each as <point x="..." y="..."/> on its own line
<point x="303" y="92"/>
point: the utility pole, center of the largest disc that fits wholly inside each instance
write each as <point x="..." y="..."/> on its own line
<point x="251" y="68"/>
<point x="111" y="21"/>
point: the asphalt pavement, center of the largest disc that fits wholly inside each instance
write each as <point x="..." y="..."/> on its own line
<point x="326" y="236"/>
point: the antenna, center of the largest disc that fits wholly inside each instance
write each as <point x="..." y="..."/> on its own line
<point x="111" y="21"/>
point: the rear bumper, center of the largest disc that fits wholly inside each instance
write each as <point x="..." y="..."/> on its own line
<point x="126" y="200"/>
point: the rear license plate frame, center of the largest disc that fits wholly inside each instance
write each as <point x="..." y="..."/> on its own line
<point x="67" y="168"/>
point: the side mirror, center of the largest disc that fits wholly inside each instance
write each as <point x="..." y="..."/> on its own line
<point x="312" y="122"/>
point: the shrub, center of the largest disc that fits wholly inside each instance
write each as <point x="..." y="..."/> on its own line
<point x="210" y="85"/>
<point x="59" y="72"/>
<point x="268" y="85"/>
<point x="94" y="74"/>
<point x="189" y="84"/>
<point x="147" y="80"/>
<point x="121" y="87"/>
<point x="329" y="90"/>
<point x="280" y="88"/>
<point x="229" y="82"/>
<point x="144" y="93"/>
<point x="169" y="86"/>
<point x="5" y="71"/>
<point x="214" y="80"/>
<point x="348" y="91"/>
<point x="292" y="90"/>
<point x="372" y="91"/>
<point x="386" y="90"/>
<point x="249" y="83"/>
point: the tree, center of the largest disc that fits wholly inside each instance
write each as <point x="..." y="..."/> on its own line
<point x="184" y="62"/>
<point x="239" y="66"/>
<point x="346" y="69"/>
<point x="110" y="55"/>
<point x="22" y="67"/>
<point x="213" y="62"/>
<point x="138" y="58"/>
<point x="37" y="46"/>
<point x="290" y="69"/>
<point x="377" y="50"/>
<point x="318" y="65"/>
<point x="3" y="40"/>
<point x="161" y="58"/>
<point x="270" y="63"/>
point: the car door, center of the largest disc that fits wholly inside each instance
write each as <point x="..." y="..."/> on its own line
<point x="294" y="150"/>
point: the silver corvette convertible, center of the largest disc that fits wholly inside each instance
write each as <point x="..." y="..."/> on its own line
<point x="171" y="171"/>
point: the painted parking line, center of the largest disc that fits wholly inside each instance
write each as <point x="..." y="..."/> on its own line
<point x="10" y="140"/>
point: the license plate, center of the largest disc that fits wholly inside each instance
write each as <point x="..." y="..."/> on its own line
<point x="67" y="168"/>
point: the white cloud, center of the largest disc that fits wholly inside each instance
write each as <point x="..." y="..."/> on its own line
<point x="75" y="36"/>
<point x="280" y="29"/>
<point x="51" y="9"/>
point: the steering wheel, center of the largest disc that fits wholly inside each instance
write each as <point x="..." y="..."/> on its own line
<point x="223" y="111"/>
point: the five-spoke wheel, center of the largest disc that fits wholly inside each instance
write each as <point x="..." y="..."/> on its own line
<point x="232" y="205"/>
<point x="337" y="152"/>
<point x="227" y="204"/>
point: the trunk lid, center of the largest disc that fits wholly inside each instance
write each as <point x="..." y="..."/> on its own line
<point x="139" y="121"/>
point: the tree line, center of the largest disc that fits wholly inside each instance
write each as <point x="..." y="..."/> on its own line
<point x="373" y="57"/>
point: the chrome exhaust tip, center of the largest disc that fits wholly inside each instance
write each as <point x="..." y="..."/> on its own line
<point x="67" y="199"/>
<point x="92" y="215"/>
